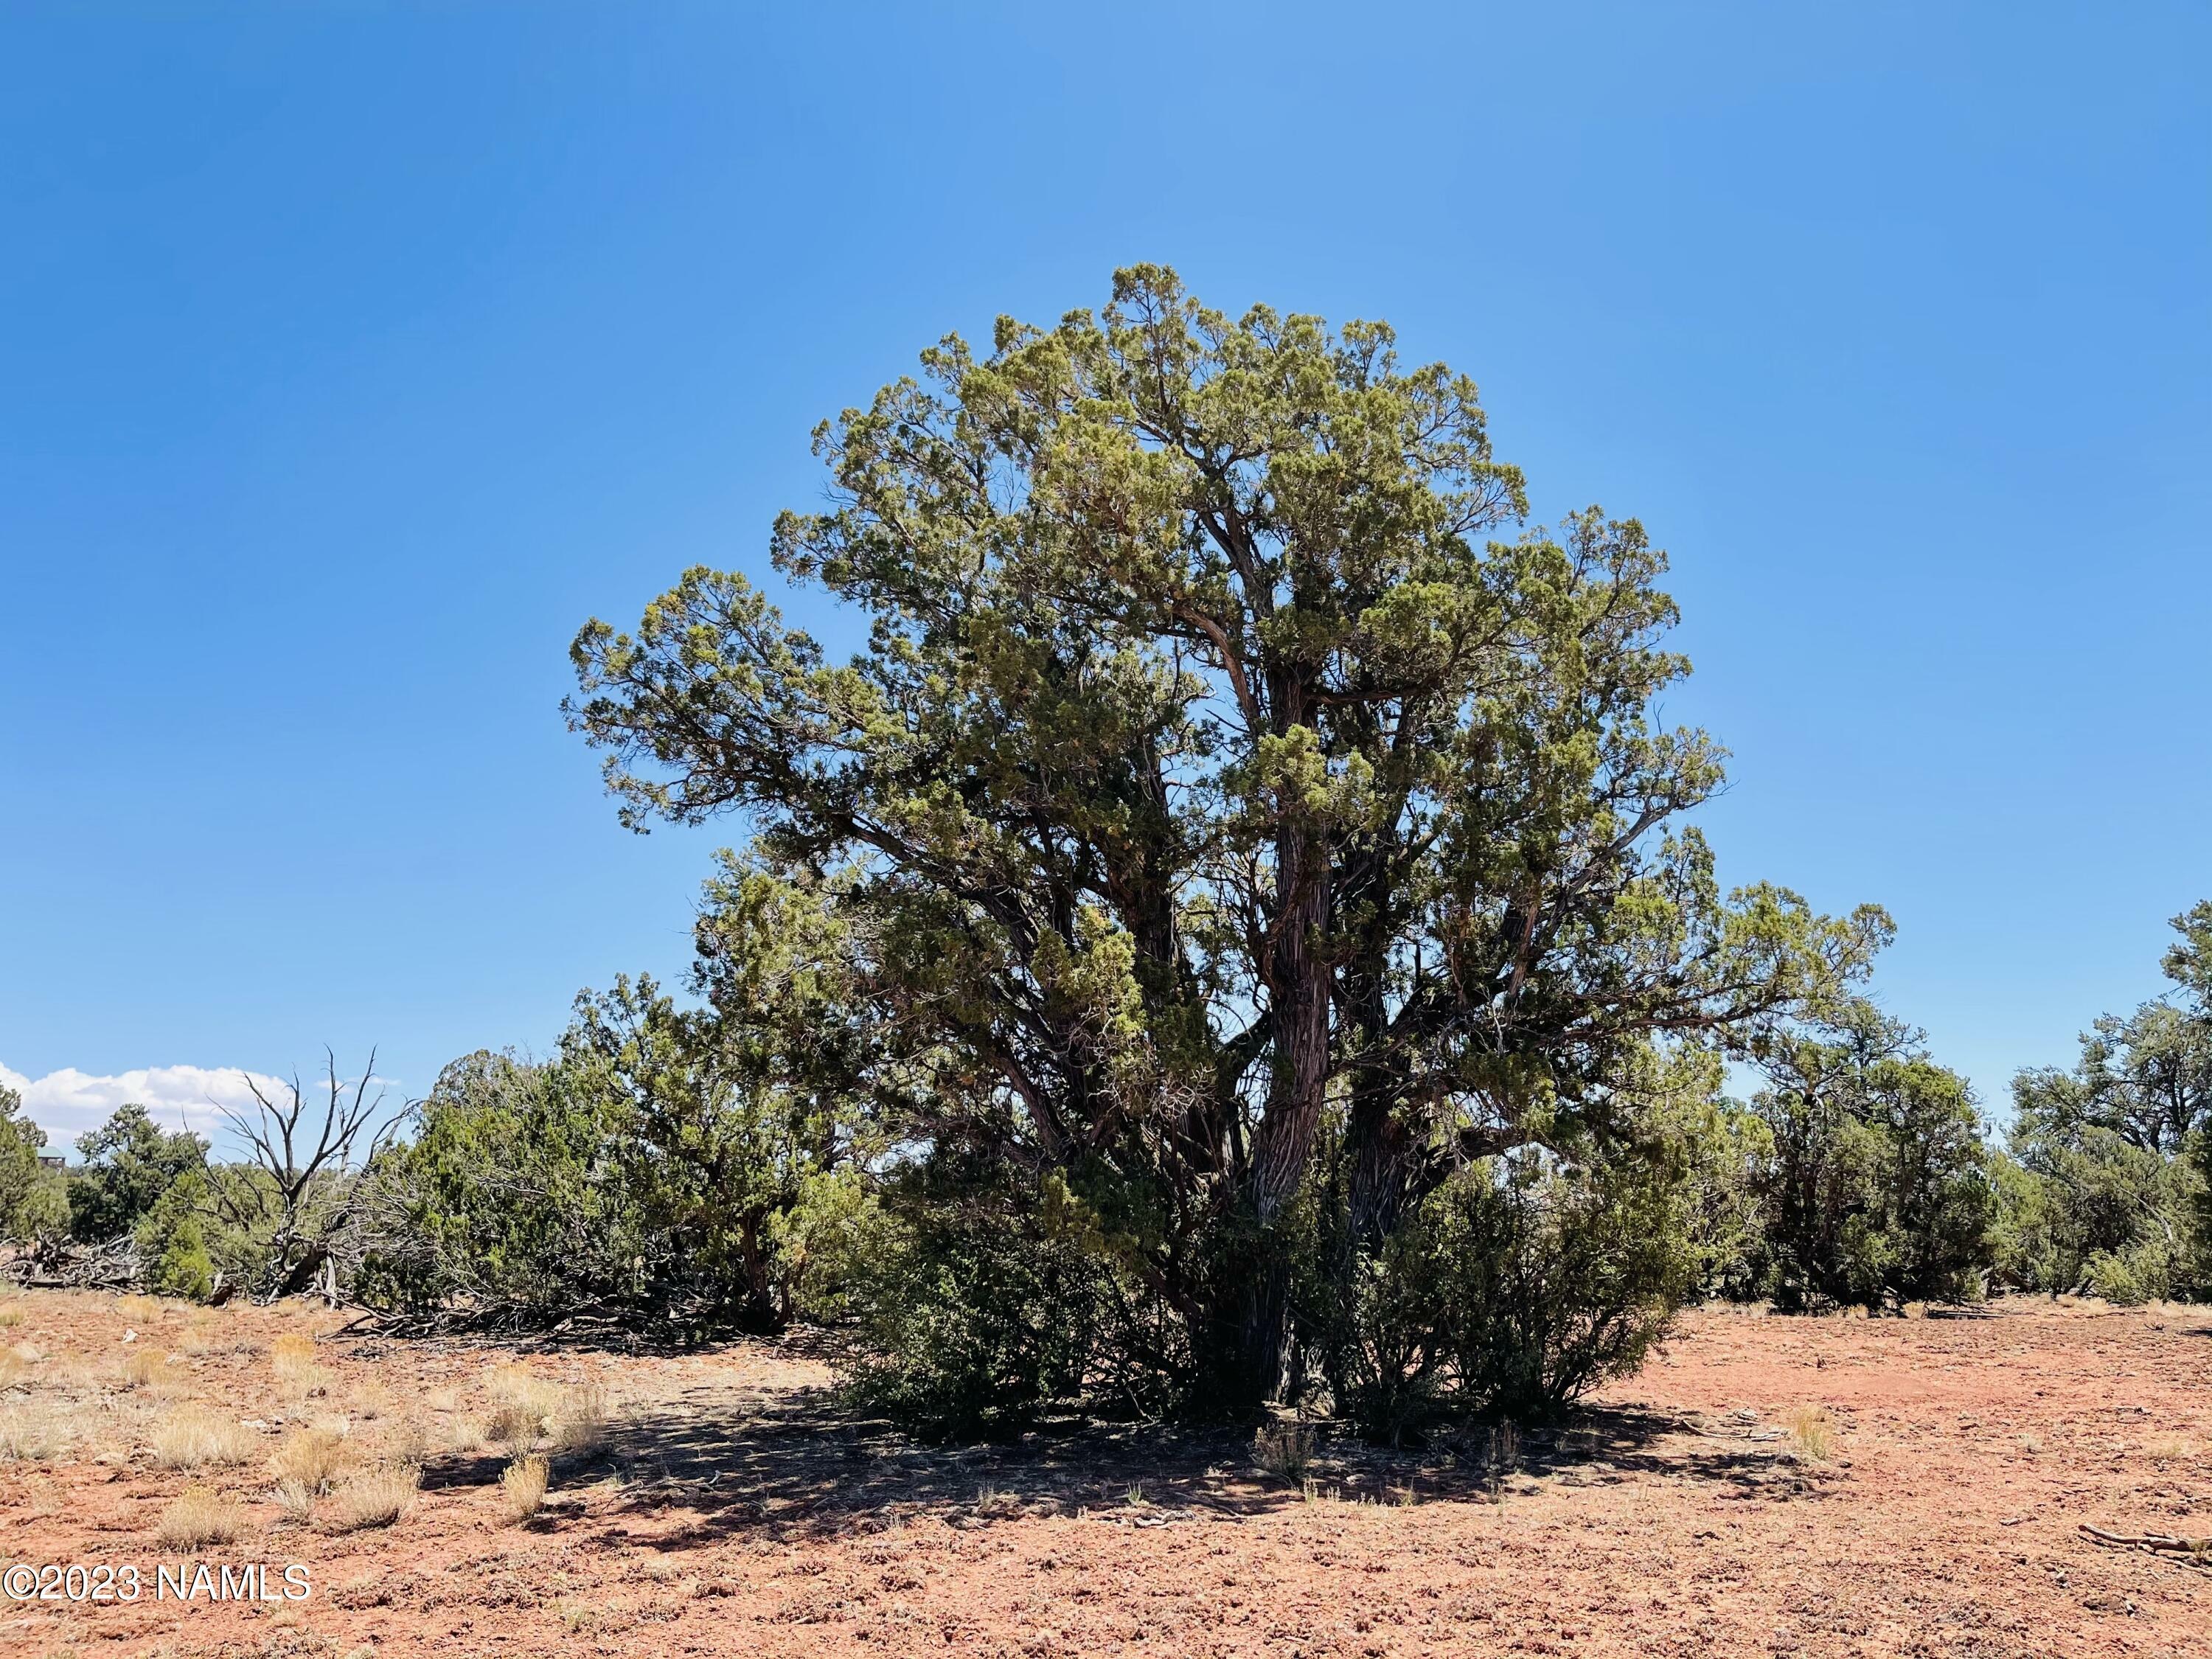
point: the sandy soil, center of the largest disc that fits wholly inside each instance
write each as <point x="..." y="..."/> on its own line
<point x="730" y="1510"/>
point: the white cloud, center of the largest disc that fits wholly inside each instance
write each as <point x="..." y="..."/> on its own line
<point x="67" y="1102"/>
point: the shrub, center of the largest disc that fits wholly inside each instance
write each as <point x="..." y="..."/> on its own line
<point x="978" y="1303"/>
<point x="1808" y="1430"/>
<point x="1285" y="1450"/>
<point x="652" y="1171"/>
<point x="1878" y="1188"/>
<point x="310" y="1459"/>
<point x="129" y="1163"/>
<point x="296" y="1499"/>
<point x="578" y="1420"/>
<point x="1514" y="1289"/>
<point x="292" y="1357"/>
<point x="145" y="1367"/>
<point x="2109" y="1188"/>
<point x="521" y="1405"/>
<point x="21" y="1178"/>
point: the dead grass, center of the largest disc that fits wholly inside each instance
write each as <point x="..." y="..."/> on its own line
<point x="198" y="1518"/>
<point x="2173" y="1448"/>
<point x="519" y="1405"/>
<point x="30" y="1434"/>
<point x="1810" y="1427"/>
<point x="292" y="1357"/>
<point x="578" y="1423"/>
<point x="297" y="1499"/>
<point x="139" y="1309"/>
<point x="522" y="1487"/>
<point x="149" y="1369"/>
<point x="312" y="1458"/>
<point x="375" y="1497"/>
<point x="192" y="1438"/>
<point x="14" y="1369"/>
<point x="406" y="1440"/>
<point x="1285" y="1450"/>
<point x="9" y="1318"/>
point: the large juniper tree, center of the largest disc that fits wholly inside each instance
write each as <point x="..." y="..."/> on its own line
<point x="1224" y="752"/>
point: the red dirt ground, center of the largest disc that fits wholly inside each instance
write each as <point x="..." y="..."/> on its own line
<point x="734" y="1511"/>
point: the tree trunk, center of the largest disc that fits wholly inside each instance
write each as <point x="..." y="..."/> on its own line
<point x="1298" y="990"/>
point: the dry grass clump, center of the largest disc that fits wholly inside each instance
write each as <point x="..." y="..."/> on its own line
<point x="14" y="1369"/>
<point x="1808" y="1429"/>
<point x="292" y="1357"/>
<point x="2173" y="1448"/>
<point x="194" y="1437"/>
<point x="198" y="1518"/>
<point x="199" y="1334"/>
<point x="520" y="1406"/>
<point x="1285" y="1450"/>
<point x="578" y="1421"/>
<point x="141" y="1308"/>
<point x="374" y="1497"/>
<point x="522" y="1486"/>
<point x="403" y="1440"/>
<point x="30" y="1434"/>
<point x="9" y="1318"/>
<point x="311" y="1458"/>
<point x="297" y="1499"/>
<point x="149" y="1369"/>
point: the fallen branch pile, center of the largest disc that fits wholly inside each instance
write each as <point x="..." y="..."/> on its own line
<point x="54" y="1263"/>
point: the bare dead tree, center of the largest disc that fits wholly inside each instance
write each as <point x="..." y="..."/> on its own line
<point x="300" y="1187"/>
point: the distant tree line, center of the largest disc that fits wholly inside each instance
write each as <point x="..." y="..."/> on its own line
<point x="1232" y="937"/>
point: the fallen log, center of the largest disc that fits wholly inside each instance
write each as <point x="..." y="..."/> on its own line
<point x="2158" y="1543"/>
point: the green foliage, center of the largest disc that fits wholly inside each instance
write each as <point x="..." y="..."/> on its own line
<point x="173" y="1241"/>
<point x="509" y="1196"/>
<point x="1524" y="1281"/>
<point x="1877" y="1186"/>
<point x="130" y="1164"/>
<point x="21" y="1182"/>
<point x="1224" y="747"/>
<point x="651" y="1170"/>
<point x="2109" y="1190"/>
<point x="981" y="1300"/>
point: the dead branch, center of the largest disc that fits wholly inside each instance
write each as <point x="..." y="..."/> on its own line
<point x="2157" y="1543"/>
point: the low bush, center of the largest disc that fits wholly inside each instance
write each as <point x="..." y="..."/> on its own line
<point x="979" y="1303"/>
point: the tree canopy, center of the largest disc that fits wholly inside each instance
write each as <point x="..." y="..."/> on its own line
<point x="1226" y="744"/>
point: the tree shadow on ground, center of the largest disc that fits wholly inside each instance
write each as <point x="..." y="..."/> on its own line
<point x="788" y="1464"/>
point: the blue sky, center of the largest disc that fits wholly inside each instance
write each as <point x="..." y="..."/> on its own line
<point x="351" y="355"/>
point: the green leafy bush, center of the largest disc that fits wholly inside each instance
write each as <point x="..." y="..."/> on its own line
<point x="650" y="1172"/>
<point x="21" y="1180"/>
<point x="1876" y="1186"/>
<point x="2109" y="1188"/>
<point x="130" y="1164"/>
<point x="1517" y="1286"/>
<point x="980" y="1303"/>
